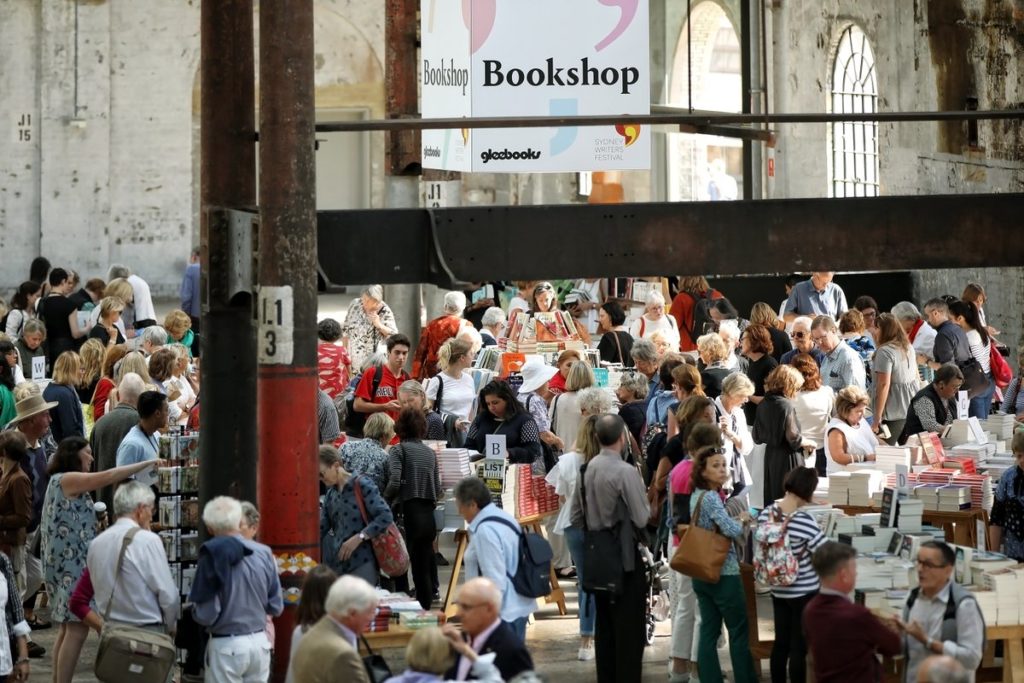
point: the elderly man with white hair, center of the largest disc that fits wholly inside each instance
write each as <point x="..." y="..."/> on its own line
<point x="110" y="430"/>
<point x="800" y="335"/>
<point x="654" y="320"/>
<point x="329" y="651"/>
<point x="919" y="332"/>
<point x="729" y="331"/>
<point x="492" y="325"/>
<point x="144" y="593"/>
<point x="368" y="323"/>
<point x="437" y="332"/>
<point x="235" y="587"/>
<point x="479" y="605"/>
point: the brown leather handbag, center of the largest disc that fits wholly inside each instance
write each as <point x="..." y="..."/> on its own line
<point x="701" y="552"/>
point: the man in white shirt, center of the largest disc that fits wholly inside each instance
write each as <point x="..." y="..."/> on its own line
<point x="144" y="594"/>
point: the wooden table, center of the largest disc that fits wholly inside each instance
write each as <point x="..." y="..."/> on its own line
<point x="1012" y="670"/>
<point x="961" y="527"/>
<point x="397" y="636"/>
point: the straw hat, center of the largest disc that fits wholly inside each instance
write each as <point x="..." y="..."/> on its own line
<point x="33" y="404"/>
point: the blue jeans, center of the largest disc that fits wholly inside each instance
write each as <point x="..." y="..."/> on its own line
<point x="981" y="405"/>
<point x="519" y="626"/>
<point x="574" y="538"/>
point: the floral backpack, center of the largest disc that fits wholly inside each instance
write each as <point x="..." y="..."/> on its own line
<point x="774" y="561"/>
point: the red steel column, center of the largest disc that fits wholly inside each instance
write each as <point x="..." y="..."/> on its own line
<point x="286" y="305"/>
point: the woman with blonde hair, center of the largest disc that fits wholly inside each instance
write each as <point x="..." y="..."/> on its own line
<point x="452" y="391"/>
<point x="848" y="436"/>
<point x="120" y="289"/>
<point x="564" y="478"/>
<point x="565" y="408"/>
<point x="179" y="329"/>
<point x="777" y="428"/>
<point x="67" y="413"/>
<point x="106" y="329"/>
<point x="764" y="314"/>
<point x="92" y="354"/>
<point x="714" y="355"/>
<point x="431" y="653"/>
<point x="896" y="378"/>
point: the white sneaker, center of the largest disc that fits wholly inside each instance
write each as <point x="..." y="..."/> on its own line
<point x="586" y="654"/>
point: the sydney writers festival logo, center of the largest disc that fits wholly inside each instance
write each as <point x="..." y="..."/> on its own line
<point x="613" y="147"/>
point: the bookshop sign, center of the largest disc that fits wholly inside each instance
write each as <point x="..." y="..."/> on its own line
<point x="485" y="58"/>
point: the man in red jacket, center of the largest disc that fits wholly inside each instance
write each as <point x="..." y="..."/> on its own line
<point x="842" y="637"/>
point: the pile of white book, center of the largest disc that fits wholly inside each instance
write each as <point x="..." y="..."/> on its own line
<point x="1000" y="425"/>
<point x="908" y="518"/>
<point x="888" y="457"/>
<point x="453" y="464"/>
<point x="863" y="484"/>
<point x="954" y="498"/>
<point x="839" y="488"/>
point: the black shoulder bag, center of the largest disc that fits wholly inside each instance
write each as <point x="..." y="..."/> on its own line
<point x="602" y="552"/>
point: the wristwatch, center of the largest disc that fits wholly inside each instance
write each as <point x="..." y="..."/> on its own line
<point x="362" y="536"/>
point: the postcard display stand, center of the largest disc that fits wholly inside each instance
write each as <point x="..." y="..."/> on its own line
<point x="178" y="511"/>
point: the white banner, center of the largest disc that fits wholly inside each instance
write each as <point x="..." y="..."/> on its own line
<point x="487" y="58"/>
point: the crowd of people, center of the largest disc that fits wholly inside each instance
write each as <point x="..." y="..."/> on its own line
<point x="717" y="422"/>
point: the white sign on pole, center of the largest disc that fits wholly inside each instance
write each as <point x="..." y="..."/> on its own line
<point x="902" y="477"/>
<point x="38" y="368"/>
<point x="494" y="447"/>
<point x="275" y="307"/>
<point x="963" y="405"/>
<point x="536" y="58"/>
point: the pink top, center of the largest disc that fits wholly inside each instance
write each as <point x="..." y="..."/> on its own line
<point x="679" y="477"/>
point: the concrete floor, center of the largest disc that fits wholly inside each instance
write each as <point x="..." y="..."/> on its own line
<point x="553" y="641"/>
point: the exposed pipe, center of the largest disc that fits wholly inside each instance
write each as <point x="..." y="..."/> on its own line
<point x="667" y="119"/>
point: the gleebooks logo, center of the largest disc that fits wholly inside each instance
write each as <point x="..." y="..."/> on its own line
<point x="507" y="155"/>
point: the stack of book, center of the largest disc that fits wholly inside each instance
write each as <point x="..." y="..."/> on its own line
<point x="839" y="488"/>
<point x="1000" y="425"/>
<point x="417" y="620"/>
<point x="960" y="463"/>
<point x="534" y="496"/>
<point x="454" y="466"/>
<point x="972" y="450"/>
<point x="928" y="495"/>
<point x="935" y="476"/>
<point x="887" y="457"/>
<point x="980" y="486"/>
<point x="954" y="498"/>
<point x="995" y="465"/>
<point x="863" y="484"/>
<point x="908" y="516"/>
<point x="931" y="447"/>
<point x="1008" y="585"/>
<point x="381" y="619"/>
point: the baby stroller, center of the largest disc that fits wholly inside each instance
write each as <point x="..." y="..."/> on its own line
<point x="657" y="605"/>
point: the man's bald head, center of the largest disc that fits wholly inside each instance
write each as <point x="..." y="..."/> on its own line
<point x="479" y="605"/>
<point x="941" y="669"/>
<point x="482" y="590"/>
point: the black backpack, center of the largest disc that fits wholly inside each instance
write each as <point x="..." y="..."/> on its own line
<point x="701" y="314"/>
<point x="533" y="575"/>
<point x="354" y="420"/>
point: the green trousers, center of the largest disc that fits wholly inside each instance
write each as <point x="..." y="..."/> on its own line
<point x="718" y="602"/>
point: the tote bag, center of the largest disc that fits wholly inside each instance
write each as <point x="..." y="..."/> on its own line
<point x="701" y="552"/>
<point x="388" y="547"/>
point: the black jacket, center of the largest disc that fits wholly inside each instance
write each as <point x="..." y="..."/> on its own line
<point x="512" y="658"/>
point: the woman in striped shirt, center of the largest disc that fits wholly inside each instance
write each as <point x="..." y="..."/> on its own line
<point x="788" y="602"/>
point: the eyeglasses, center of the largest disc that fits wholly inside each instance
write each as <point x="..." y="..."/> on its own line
<point x="818" y="340"/>
<point x="930" y="565"/>
<point x="797" y="335"/>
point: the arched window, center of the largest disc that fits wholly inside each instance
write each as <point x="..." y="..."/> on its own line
<point x="854" y="163"/>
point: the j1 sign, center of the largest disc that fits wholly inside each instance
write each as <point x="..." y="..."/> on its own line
<point x="536" y="58"/>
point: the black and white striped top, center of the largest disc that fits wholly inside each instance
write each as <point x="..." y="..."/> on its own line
<point x="804" y="538"/>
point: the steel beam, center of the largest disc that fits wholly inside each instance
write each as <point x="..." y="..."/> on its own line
<point x="287" y="276"/>
<point x="227" y="440"/>
<point x="664" y="119"/>
<point x="451" y="246"/>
